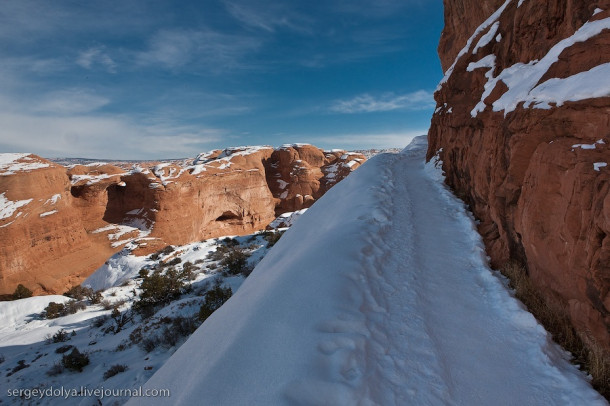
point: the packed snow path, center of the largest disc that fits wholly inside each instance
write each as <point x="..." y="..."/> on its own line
<point x="379" y="295"/>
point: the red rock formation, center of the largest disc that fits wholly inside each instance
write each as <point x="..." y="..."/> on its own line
<point x="526" y="151"/>
<point x="299" y="174"/>
<point x="58" y="225"/>
<point x="42" y="235"/>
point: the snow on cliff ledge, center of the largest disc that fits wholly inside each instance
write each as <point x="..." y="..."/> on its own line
<point x="379" y="295"/>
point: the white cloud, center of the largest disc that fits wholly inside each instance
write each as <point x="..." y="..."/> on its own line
<point x="366" y="103"/>
<point x="177" y="48"/>
<point x="101" y="137"/>
<point x="72" y="101"/>
<point x="96" y="56"/>
<point x="267" y="16"/>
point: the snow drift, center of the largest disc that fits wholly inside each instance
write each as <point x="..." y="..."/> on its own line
<point x="379" y="294"/>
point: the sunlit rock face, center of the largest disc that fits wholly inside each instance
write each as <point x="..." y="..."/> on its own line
<point x="59" y="224"/>
<point x="522" y="126"/>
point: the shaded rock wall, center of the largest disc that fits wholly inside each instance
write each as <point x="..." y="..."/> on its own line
<point x="529" y="157"/>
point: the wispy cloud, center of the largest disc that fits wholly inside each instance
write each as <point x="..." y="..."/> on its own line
<point x="366" y="103"/>
<point x="267" y="16"/>
<point x="96" y="56"/>
<point x="101" y="137"/>
<point x="217" y="51"/>
<point x="68" y="123"/>
<point x="66" y="102"/>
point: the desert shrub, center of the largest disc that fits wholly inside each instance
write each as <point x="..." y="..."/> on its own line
<point x="121" y="347"/>
<point x="188" y="272"/>
<point x="95" y="297"/>
<point x="108" y="305"/>
<point x="143" y="273"/>
<point x="136" y="335"/>
<point x="170" y="335"/>
<point x="158" y="289"/>
<point x="74" y="306"/>
<point x="164" y="251"/>
<point x="55" y="310"/>
<point x="55" y="370"/>
<point x="63" y="349"/>
<point x="272" y="237"/>
<point x="99" y="321"/>
<point x="61" y="336"/>
<point x="235" y="262"/>
<point x="219" y="253"/>
<point x="114" y="370"/>
<point x="75" y="361"/>
<point x="149" y="343"/>
<point x="230" y="242"/>
<point x="21" y="292"/>
<point x="20" y="365"/>
<point x="120" y="319"/>
<point x="174" y="261"/>
<point x="214" y="298"/>
<point x="78" y="292"/>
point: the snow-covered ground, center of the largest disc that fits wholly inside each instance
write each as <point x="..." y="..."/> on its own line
<point x="379" y="295"/>
<point x="28" y="356"/>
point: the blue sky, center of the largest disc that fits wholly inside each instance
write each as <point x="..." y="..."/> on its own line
<point x="142" y="80"/>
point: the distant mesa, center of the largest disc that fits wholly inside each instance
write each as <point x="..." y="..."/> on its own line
<point x="60" y="222"/>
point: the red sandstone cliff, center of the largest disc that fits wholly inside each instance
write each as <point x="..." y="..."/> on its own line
<point x="58" y="224"/>
<point x="522" y="126"/>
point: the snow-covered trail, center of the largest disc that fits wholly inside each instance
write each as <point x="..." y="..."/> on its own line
<point x="379" y="295"/>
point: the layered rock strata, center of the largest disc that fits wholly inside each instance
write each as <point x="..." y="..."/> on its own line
<point x="522" y="127"/>
<point x="58" y="224"/>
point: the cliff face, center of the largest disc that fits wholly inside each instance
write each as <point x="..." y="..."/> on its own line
<point x="58" y="224"/>
<point x="522" y="126"/>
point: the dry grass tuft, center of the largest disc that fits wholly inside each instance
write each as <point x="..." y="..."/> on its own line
<point x="554" y="316"/>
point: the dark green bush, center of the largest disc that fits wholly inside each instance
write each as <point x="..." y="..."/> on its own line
<point x="20" y="365"/>
<point x="55" y="310"/>
<point x="272" y="237"/>
<point x="214" y="298"/>
<point x="174" y="261"/>
<point x="114" y="370"/>
<point x="21" y="292"/>
<point x="235" y="262"/>
<point x="171" y="334"/>
<point x="78" y="292"/>
<point x="158" y="289"/>
<point x="75" y="361"/>
<point x="61" y="336"/>
<point x="63" y="349"/>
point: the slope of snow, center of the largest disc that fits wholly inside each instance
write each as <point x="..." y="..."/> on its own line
<point x="379" y="295"/>
<point x="286" y="219"/>
<point x="522" y="79"/>
<point x="11" y="163"/>
<point x="8" y="207"/>
<point x="25" y="334"/>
